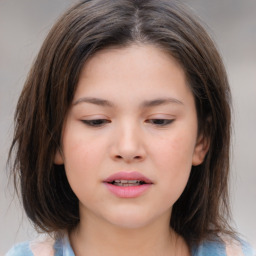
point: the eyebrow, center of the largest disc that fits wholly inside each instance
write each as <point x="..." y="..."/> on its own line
<point x="145" y="104"/>
<point x="161" y="101"/>
<point x="96" y="101"/>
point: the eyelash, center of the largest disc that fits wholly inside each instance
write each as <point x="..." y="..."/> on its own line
<point x="160" y="122"/>
<point x="102" y="122"/>
<point x="96" y="122"/>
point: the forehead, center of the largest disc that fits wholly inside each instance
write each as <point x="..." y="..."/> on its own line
<point x="140" y="71"/>
<point x="135" y="57"/>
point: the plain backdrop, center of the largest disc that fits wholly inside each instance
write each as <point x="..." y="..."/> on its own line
<point x="232" y="24"/>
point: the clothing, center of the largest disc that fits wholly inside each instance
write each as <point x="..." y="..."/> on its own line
<point x="62" y="247"/>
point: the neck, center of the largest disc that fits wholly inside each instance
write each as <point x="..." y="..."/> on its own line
<point x="93" y="237"/>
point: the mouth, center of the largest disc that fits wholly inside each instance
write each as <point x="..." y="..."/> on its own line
<point x="128" y="184"/>
<point x="128" y="179"/>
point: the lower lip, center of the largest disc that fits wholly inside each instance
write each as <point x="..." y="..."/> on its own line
<point x="128" y="192"/>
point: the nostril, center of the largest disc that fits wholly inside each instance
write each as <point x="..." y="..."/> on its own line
<point x="128" y="158"/>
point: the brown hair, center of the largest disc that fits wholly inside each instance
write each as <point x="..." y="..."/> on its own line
<point x="202" y="211"/>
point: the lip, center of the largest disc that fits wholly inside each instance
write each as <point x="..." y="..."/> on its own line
<point x="129" y="191"/>
<point x="128" y="176"/>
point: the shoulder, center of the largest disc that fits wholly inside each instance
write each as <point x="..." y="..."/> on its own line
<point x="223" y="248"/>
<point x="20" y="250"/>
<point x="46" y="246"/>
<point x="39" y="247"/>
<point x="209" y="248"/>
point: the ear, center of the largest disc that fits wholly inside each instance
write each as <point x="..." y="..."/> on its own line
<point x="58" y="159"/>
<point x="201" y="149"/>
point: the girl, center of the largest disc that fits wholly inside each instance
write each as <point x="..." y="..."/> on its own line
<point x="122" y="135"/>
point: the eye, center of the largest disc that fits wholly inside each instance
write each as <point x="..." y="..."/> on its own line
<point x="160" y="122"/>
<point x="96" y="122"/>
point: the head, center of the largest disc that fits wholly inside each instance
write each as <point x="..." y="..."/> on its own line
<point x="83" y="31"/>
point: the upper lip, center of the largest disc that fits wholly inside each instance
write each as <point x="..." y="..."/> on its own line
<point x="127" y="176"/>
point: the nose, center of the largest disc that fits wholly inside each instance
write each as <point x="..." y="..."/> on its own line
<point x="128" y="145"/>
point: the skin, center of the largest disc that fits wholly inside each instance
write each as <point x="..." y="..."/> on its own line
<point x="159" y="140"/>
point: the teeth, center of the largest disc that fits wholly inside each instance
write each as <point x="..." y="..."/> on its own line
<point x="127" y="183"/>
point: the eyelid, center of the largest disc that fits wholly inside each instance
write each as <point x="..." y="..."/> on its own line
<point x="161" y="116"/>
<point x="160" y="120"/>
<point x="155" y="121"/>
<point x="95" y="120"/>
<point x="99" y="122"/>
<point x="94" y="117"/>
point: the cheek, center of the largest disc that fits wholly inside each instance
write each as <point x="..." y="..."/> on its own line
<point x="80" y="150"/>
<point x="83" y="157"/>
<point x="173" y="160"/>
<point x="174" y="153"/>
<point x="82" y="167"/>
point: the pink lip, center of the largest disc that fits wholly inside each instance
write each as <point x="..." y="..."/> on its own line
<point x="128" y="176"/>
<point x="130" y="191"/>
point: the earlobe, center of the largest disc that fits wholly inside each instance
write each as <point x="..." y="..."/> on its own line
<point x="201" y="149"/>
<point x="58" y="159"/>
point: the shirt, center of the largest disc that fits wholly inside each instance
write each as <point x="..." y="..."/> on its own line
<point x="62" y="247"/>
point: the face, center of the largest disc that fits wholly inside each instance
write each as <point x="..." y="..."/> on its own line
<point x="130" y="136"/>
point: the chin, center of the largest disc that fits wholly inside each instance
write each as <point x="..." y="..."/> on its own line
<point x="131" y="219"/>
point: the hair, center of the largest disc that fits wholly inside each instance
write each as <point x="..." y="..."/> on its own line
<point x="202" y="211"/>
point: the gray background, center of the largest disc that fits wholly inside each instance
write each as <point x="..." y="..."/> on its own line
<point x="232" y="23"/>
